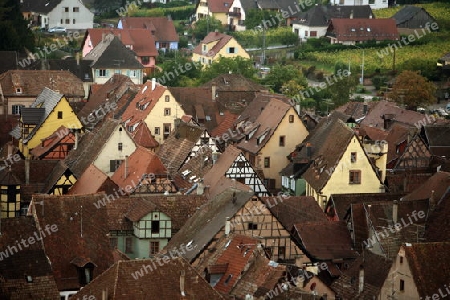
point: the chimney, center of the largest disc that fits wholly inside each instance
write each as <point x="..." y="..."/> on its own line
<point x="227" y="226"/>
<point x="308" y="150"/>
<point x="213" y="91"/>
<point x="27" y="171"/>
<point x="351" y="14"/>
<point x="126" y="166"/>
<point x="395" y="212"/>
<point x="365" y="108"/>
<point x="200" y="187"/>
<point x="182" y="284"/>
<point x="361" y="279"/>
<point x="153" y="83"/>
<point x="76" y="139"/>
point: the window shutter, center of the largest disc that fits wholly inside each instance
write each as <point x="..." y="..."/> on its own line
<point x="112" y="165"/>
<point x="107" y="73"/>
<point x="228" y="50"/>
<point x="97" y="73"/>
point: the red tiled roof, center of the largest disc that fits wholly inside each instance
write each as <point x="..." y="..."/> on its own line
<point x="222" y="165"/>
<point x="143" y="103"/>
<point x="363" y="29"/>
<point x="141" y="162"/>
<point x="143" y="136"/>
<point x="164" y="29"/>
<point x="141" y="40"/>
<point x="220" y="40"/>
<point x="436" y="186"/>
<point x="53" y="140"/>
<point x="225" y="125"/>
<point x="93" y="181"/>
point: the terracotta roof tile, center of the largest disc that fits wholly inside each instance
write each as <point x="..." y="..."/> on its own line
<point x="79" y="234"/>
<point x="143" y="137"/>
<point x="32" y="82"/>
<point x="93" y="181"/>
<point x="219" y="40"/>
<point x="219" y="6"/>
<point x="141" y="162"/>
<point x="141" y="40"/>
<point x="155" y="278"/>
<point x="363" y="29"/>
<point x="164" y="28"/>
<point x="435" y="186"/>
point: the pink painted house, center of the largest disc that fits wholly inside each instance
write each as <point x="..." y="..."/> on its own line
<point x="139" y="40"/>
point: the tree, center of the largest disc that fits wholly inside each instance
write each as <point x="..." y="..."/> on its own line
<point x="236" y="65"/>
<point x="258" y="17"/>
<point x="14" y="32"/>
<point x="204" y="26"/>
<point x="282" y="75"/>
<point x="341" y="87"/>
<point x="176" y="71"/>
<point x="413" y="90"/>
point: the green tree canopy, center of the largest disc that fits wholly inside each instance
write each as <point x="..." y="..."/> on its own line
<point x="176" y="71"/>
<point x="413" y="90"/>
<point x="236" y="65"/>
<point x="282" y="75"/>
<point x="257" y="17"/>
<point x="202" y="27"/>
<point x="14" y="32"/>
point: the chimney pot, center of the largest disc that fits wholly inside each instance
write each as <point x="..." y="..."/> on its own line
<point x="153" y="84"/>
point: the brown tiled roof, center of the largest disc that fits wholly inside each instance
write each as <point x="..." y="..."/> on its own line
<point x="220" y="40"/>
<point x="141" y="162"/>
<point x="93" y="181"/>
<point x="164" y="29"/>
<point x="219" y="6"/>
<point x="376" y="269"/>
<point x="268" y="121"/>
<point x="89" y="147"/>
<point x="355" y="109"/>
<point x="112" y="90"/>
<point x="32" y="82"/>
<point x="372" y="133"/>
<point x="225" y="125"/>
<point x="363" y="29"/>
<point x="21" y="262"/>
<point x="122" y="281"/>
<point x="79" y="234"/>
<point x="436" y="186"/>
<point x="234" y="83"/>
<point x="430" y="266"/>
<point x="143" y="103"/>
<point x="294" y="209"/>
<point x="438" y="220"/>
<point x="328" y="141"/>
<point x="325" y="240"/>
<point x="176" y="148"/>
<point x="224" y="184"/>
<point x="383" y="107"/>
<point x="339" y="204"/>
<point x="397" y="135"/>
<point x="197" y="166"/>
<point x="438" y="139"/>
<point x="207" y="221"/>
<point x="117" y="209"/>
<point x="222" y="165"/>
<point x="143" y="137"/>
<point x="141" y="40"/>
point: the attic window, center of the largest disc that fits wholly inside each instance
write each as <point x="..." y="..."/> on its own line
<point x="18" y="90"/>
<point x="228" y="279"/>
<point x="29" y="278"/>
<point x="368" y="29"/>
<point x="353" y="29"/>
<point x="262" y="137"/>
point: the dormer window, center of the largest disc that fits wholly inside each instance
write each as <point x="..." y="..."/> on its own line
<point x="85" y="273"/>
<point x="19" y="91"/>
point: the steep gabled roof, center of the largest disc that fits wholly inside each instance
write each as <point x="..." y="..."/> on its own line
<point x="32" y="82"/>
<point x="219" y="6"/>
<point x="31" y="261"/>
<point x="141" y="40"/>
<point x="267" y="122"/>
<point x="376" y="269"/>
<point x="93" y="181"/>
<point x="136" y="279"/>
<point x="77" y="238"/>
<point x="207" y="221"/>
<point x="143" y="137"/>
<point x="218" y="170"/>
<point x="363" y="29"/>
<point x="220" y="40"/>
<point x="162" y="28"/>
<point x="435" y="186"/>
<point x="111" y="53"/>
<point x="89" y="147"/>
<point x="41" y="6"/>
<point x="408" y="12"/>
<point x="430" y="266"/>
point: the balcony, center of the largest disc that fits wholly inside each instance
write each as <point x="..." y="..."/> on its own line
<point x="234" y="14"/>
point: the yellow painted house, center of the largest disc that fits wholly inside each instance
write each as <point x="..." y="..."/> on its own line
<point x="49" y="111"/>
<point x="271" y="137"/>
<point x="214" y="8"/>
<point x="215" y="45"/>
<point x="155" y="105"/>
<point x="338" y="163"/>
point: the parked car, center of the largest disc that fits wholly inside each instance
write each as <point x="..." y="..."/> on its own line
<point x="57" y="29"/>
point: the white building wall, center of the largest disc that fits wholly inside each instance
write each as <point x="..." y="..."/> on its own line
<point x="84" y="18"/>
